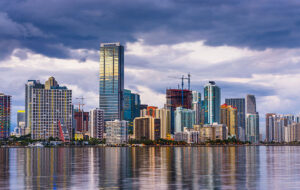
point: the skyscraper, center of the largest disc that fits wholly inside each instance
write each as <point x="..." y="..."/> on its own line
<point x="252" y="127"/>
<point x="212" y="103"/>
<point x="5" y="108"/>
<point x="229" y="118"/>
<point x="250" y="104"/>
<point x="239" y="104"/>
<point x="146" y="128"/>
<point x="184" y="118"/>
<point x="46" y="107"/>
<point x="179" y="98"/>
<point x="111" y="80"/>
<point x="165" y="122"/>
<point x="196" y="106"/>
<point x="252" y="120"/>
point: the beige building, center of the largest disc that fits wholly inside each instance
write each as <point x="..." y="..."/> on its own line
<point x="213" y="132"/>
<point x="146" y="128"/>
<point x="165" y="122"/>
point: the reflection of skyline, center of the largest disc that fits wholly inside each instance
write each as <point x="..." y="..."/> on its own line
<point x="149" y="167"/>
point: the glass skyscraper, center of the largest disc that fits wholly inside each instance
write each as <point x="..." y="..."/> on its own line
<point x="111" y="80"/>
<point x="212" y="103"/>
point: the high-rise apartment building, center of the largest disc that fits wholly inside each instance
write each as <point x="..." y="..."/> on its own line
<point x="252" y="120"/>
<point x="229" y="118"/>
<point x="196" y="106"/>
<point x="270" y="124"/>
<point x="96" y="123"/>
<point x="252" y="127"/>
<point x="212" y="103"/>
<point x="20" y="129"/>
<point x="5" y="111"/>
<point x="48" y="107"/>
<point x="111" y="80"/>
<point x="239" y="104"/>
<point x="184" y="118"/>
<point x="146" y="128"/>
<point x="116" y="132"/>
<point x="165" y="122"/>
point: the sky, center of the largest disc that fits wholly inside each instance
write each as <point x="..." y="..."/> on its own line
<point x="247" y="47"/>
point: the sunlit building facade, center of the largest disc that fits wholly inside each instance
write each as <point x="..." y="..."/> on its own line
<point x="146" y="128"/>
<point x="111" y="80"/>
<point x="229" y="118"/>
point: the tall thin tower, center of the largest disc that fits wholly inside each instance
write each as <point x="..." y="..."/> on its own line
<point x="111" y="85"/>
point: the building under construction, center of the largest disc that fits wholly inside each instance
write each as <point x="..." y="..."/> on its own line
<point x="179" y="98"/>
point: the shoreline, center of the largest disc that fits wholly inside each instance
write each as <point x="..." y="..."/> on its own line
<point x="146" y="146"/>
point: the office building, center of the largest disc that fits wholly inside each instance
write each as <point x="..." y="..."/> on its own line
<point x="252" y="127"/>
<point x="5" y="114"/>
<point x="48" y="109"/>
<point x="116" y="132"/>
<point x="111" y="80"/>
<point x="20" y="129"/>
<point x="229" y="118"/>
<point x="196" y="106"/>
<point x="184" y="118"/>
<point x="239" y="104"/>
<point x="212" y="103"/>
<point x="250" y="104"/>
<point x="96" y="123"/>
<point x="146" y="128"/>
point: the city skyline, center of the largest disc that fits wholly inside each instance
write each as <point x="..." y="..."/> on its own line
<point x="260" y="56"/>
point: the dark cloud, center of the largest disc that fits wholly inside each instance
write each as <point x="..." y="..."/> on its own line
<point x="49" y="27"/>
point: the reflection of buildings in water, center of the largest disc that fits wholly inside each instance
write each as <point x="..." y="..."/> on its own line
<point x="4" y="170"/>
<point x="252" y="166"/>
<point x="45" y="168"/>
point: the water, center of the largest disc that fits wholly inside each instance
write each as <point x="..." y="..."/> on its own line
<point x="151" y="168"/>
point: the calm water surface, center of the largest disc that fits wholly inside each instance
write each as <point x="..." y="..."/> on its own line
<point x="151" y="168"/>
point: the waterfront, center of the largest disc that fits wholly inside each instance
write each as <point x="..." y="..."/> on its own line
<point x="241" y="167"/>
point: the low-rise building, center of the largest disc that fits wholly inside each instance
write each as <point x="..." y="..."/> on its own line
<point x="116" y="132"/>
<point x="190" y="136"/>
<point x="213" y="131"/>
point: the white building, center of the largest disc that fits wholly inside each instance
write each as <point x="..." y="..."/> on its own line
<point x="46" y="105"/>
<point x="116" y="132"/>
<point x="96" y="123"/>
<point x="188" y="135"/>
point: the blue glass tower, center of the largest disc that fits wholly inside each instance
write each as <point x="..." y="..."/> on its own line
<point x="212" y="103"/>
<point x="111" y="80"/>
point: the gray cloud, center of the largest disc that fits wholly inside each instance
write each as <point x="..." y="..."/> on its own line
<point x="47" y="26"/>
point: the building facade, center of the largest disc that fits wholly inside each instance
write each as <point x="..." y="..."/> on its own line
<point x="5" y="115"/>
<point x="47" y="107"/>
<point x="179" y="98"/>
<point x="189" y="136"/>
<point x="212" y="103"/>
<point x="96" y="123"/>
<point x="252" y="127"/>
<point x="184" y="118"/>
<point x="111" y="80"/>
<point x="196" y="106"/>
<point x="239" y="104"/>
<point x="213" y="132"/>
<point x="116" y="132"/>
<point x="146" y="128"/>
<point x="229" y="118"/>
<point x="165" y="122"/>
<point x="81" y="121"/>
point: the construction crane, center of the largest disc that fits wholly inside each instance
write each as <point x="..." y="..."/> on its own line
<point x="182" y="84"/>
